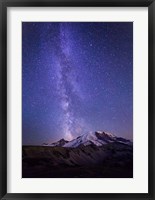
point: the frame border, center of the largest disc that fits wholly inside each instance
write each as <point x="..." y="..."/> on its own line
<point x="3" y="96"/>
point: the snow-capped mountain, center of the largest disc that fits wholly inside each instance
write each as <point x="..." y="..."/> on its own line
<point x="97" y="138"/>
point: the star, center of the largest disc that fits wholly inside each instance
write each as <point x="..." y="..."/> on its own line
<point x="76" y="77"/>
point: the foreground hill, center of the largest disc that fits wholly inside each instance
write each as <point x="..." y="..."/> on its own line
<point x="109" y="160"/>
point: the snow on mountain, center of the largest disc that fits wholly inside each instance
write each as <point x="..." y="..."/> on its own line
<point x="86" y="139"/>
<point x="97" y="138"/>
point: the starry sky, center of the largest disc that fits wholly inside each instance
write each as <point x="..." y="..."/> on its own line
<point x="76" y="77"/>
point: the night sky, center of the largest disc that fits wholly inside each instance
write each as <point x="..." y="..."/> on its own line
<point x="76" y="77"/>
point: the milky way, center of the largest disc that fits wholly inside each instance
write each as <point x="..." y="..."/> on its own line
<point x="76" y="77"/>
<point x="65" y="85"/>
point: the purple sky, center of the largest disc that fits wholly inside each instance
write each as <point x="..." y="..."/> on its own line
<point x="77" y="77"/>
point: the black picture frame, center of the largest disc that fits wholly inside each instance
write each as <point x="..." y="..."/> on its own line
<point x="4" y="4"/>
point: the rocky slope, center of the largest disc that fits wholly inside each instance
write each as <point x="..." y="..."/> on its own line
<point x="109" y="160"/>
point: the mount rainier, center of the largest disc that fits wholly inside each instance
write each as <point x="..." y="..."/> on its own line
<point x="97" y="138"/>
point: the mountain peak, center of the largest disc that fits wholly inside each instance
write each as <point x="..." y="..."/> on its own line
<point x="97" y="138"/>
<point x="59" y="143"/>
